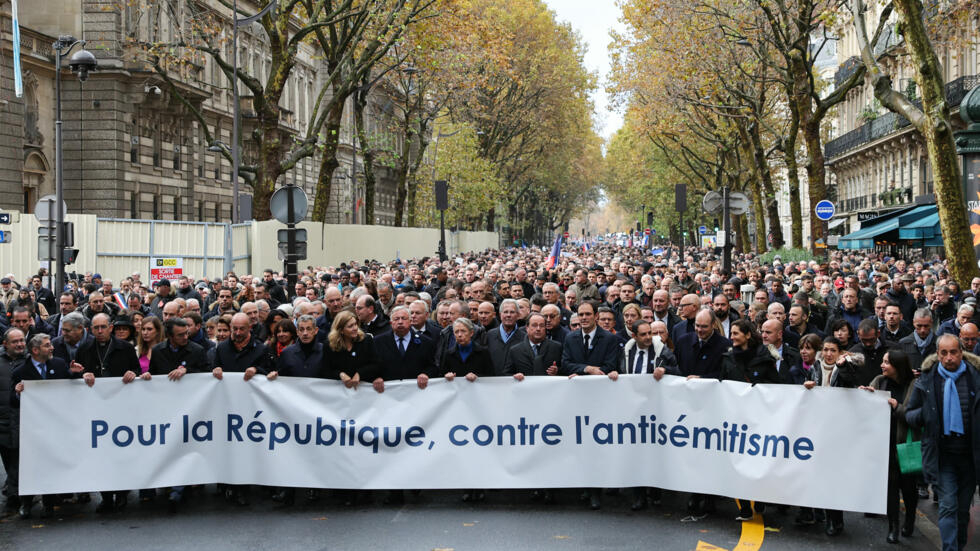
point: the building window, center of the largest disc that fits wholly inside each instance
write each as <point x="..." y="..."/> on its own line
<point x="134" y="149"/>
<point x="217" y="212"/>
<point x="200" y="211"/>
<point x="156" y="207"/>
<point x="134" y="205"/>
<point x="177" y="208"/>
<point x="177" y="157"/>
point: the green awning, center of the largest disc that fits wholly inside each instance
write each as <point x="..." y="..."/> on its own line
<point x="923" y="228"/>
<point x="864" y="238"/>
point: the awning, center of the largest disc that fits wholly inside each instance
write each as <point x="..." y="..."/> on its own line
<point x="864" y="238"/>
<point x="836" y="223"/>
<point x="925" y="229"/>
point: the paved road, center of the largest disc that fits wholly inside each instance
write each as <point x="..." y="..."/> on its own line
<point x="436" y="520"/>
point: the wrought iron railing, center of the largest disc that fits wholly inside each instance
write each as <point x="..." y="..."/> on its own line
<point x="889" y="123"/>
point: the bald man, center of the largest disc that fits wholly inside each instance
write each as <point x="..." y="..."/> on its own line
<point x="969" y="335"/>
<point x="687" y="309"/>
<point x="789" y="364"/>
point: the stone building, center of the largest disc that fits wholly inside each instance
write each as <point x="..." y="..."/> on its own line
<point x="878" y="161"/>
<point x="132" y="147"/>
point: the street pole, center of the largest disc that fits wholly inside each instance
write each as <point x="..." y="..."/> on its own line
<point x="726" y="259"/>
<point x="235" y="153"/>
<point x="681" y="213"/>
<point x="59" y="187"/>
<point x="290" y="262"/>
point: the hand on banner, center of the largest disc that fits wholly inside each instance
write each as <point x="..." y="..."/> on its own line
<point x="128" y="377"/>
<point x="146" y="376"/>
<point x="76" y="367"/>
<point x="250" y="372"/>
<point x="218" y="373"/>
<point x="518" y="376"/>
<point x="450" y="376"/>
<point x="179" y="372"/>
<point x="89" y="379"/>
<point x="19" y="388"/>
<point x="689" y="377"/>
<point x="552" y="369"/>
<point x="272" y="375"/>
<point x="658" y="373"/>
<point x="471" y="377"/>
<point x="613" y="375"/>
<point x="809" y="384"/>
<point x="593" y="370"/>
<point x="423" y="381"/>
<point x="379" y="385"/>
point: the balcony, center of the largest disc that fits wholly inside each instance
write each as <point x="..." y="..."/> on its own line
<point x="891" y="122"/>
<point x="846" y="70"/>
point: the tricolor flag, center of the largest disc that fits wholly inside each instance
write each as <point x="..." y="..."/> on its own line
<point x="586" y="246"/>
<point x="555" y="253"/>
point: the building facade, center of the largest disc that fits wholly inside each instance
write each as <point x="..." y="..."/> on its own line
<point x="134" y="146"/>
<point x="878" y="162"/>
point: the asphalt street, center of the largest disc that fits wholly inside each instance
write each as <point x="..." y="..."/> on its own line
<point x="436" y="520"/>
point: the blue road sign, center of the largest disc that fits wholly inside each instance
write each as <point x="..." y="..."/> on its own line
<point x="6" y="236"/>
<point x="702" y="230"/>
<point x="4" y="217"/>
<point x="825" y="210"/>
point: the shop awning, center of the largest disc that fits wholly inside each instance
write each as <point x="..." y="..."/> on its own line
<point x="836" y="223"/>
<point x="864" y="238"/>
<point x="925" y="228"/>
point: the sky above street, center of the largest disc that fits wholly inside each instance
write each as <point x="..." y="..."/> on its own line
<point x="593" y="19"/>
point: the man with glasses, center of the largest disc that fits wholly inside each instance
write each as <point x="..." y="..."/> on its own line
<point x="687" y="309"/>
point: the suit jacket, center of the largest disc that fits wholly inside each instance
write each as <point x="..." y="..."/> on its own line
<point x="908" y="345"/>
<point x="521" y="359"/>
<point x="791" y="366"/>
<point x="705" y="362"/>
<point x="558" y="334"/>
<point x="298" y="360"/>
<point x="419" y="356"/>
<point x="56" y="369"/>
<point x="120" y="357"/>
<point x="681" y="328"/>
<point x="163" y="360"/>
<point x="665" y="360"/>
<point x="447" y="340"/>
<point x="498" y="348"/>
<point x="361" y="359"/>
<point x="671" y="320"/>
<point x="378" y="326"/>
<point x="431" y="330"/>
<point x="603" y="352"/>
<point x="255" y="354"/>
<point x="61" y="349"/>
<point x="478" y="362"/>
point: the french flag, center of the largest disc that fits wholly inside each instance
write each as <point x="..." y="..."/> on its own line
<point x="555" y="253"/>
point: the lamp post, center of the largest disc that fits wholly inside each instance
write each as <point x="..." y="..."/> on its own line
<point x="442" y="212"/>
<point x="81" y="64"/>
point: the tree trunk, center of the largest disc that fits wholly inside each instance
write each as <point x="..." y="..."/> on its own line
<point x="816" y="175"/>
<point x="793" y="176"/>
<point x="491" y="216"/>
<point x="367" y="154"/>
<point x="413" y="185"/>
<point x="267" y="169"/>
<point x="765" y="178"/>
<point x="328" y="162"/>
<point x="760" y="218"/>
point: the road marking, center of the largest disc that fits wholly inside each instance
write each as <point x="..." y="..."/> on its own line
<point x="753" y="532"/>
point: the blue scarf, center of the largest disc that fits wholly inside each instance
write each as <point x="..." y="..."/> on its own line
<point x="921" y="343"/>
<point x="952" y="414"/>
<point x="464" y="353"/>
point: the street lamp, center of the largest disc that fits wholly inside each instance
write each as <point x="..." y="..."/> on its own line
<point x="82" y="63"/>
<point x="442" y="212"/>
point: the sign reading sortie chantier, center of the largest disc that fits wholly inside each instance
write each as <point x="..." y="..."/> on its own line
<point x="756" y="442"/>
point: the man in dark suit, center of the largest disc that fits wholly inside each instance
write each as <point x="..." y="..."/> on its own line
<point x="660" y="303"/>
<point x="699" y="353"/>
<point x="403" y="354"/>
<point x="790" y="363"/>
<point x="418" y="312"/>
<point x="502" y="338"/>
<point x="554" y="330"/>
<point x="41" y="365"/>
<point x="687" y="309"/>
<point x="590" y="351"/>
<point x="334" y="300"/>
<point x="371" y="319"/>
<point x="67" y="304"/>
<point x="73" y="339"/>
<point x="107" y="356"/>
<point x="535" y="355"/>
<point x="303" y="358"/>
<point x="12" y="356"/>
<point x="922" y="342"/>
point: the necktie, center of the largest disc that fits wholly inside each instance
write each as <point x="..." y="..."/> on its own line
<point x="534" y="347"/>
<point x="401" y="345"/>
<point x="586" y="341"/>
<point x="44" y="370"/>
<point x="638" y="364"/>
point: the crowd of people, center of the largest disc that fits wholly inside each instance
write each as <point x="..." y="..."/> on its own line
<point x="853" y="321"/>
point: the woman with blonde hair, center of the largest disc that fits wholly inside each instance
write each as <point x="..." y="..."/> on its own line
<point x="349" y="356"/>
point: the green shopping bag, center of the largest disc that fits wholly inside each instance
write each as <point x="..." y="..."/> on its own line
<point x="909" y="456"/>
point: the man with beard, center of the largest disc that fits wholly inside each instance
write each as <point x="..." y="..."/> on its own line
<point x="660" y="303"/>
<point x="723" y="312"/>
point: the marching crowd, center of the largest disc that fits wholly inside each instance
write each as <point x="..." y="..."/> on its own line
<point x="853" y="321"/>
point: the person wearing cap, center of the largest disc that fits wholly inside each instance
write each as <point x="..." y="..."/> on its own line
<point x="124" y="330"/>
<point x="438" y="281"/>
<point x="8" y="290"/>
<point x="899" y="293"/>
<point x="161" y="297"/>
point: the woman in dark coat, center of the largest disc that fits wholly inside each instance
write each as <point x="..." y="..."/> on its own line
<point x="349" y="356"/>
<point x="468" y="358"/>
<point x="897" y="379"/>
<point x="750" y="362"/>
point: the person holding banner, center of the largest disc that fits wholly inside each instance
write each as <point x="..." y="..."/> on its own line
<point x="40" y="366"/>
<point x="897" y="379"/>
<point x="943" y="404"/>
<point x="11" y="358"/>
<point x="350" y="355"/>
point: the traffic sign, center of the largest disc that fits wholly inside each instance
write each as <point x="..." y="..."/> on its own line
<point x="647" y="231"/>
<point x="6" y="236"/>
<point x="283" y="235"/>
<point x="279" y="204"/>
<point x="44" y="209"/>
<point x="4" y="217"/>
<point x="565" y="235"/>
<point x="702" y="230"/>
<point x="825" y="210"/>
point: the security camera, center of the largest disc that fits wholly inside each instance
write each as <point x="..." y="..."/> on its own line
<point x="82" y="63"/>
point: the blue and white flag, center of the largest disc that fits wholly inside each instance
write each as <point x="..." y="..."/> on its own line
<point x="18" y="79"/>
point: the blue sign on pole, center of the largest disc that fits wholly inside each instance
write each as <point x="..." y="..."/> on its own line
<point x="6" y="236"/>
<point x="825" y="210"/>
<point x="702" y="230"/>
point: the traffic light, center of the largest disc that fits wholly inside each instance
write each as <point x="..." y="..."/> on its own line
<point x="717" y="225"/>
<point x="69" y="255"/>
<point x="649" y="219"/>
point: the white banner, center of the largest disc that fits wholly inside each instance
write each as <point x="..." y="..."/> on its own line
<point x="824" y="447"/>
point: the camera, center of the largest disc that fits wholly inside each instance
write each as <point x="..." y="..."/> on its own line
<point x="82" y="63"/>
